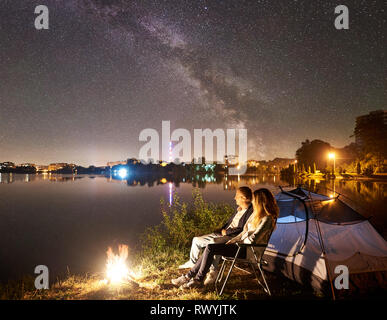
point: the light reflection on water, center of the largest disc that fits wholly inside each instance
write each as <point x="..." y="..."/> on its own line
<point x="70" y="220"/>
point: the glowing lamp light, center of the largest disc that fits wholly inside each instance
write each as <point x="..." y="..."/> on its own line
<point x="331" y="155"/>
<point x="123" y="173"/>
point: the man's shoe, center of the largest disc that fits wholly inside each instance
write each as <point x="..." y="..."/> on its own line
<point x="211" y="277"/>
<point x="192" y="284"/>
<point x="188" y="265"/>
<point x="180" y="280"/>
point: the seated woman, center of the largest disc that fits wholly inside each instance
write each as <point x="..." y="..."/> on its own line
<point x="256" y="230"/>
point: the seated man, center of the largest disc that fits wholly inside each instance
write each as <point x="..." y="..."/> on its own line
<point x="229" y="230"/>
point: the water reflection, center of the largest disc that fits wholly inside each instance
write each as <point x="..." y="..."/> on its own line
<point x="361" y="191"/>
<point x="366" y="189"/>
<point x="366" y="196"/>
<point x="7" y="178"/>
<point x="170" y="193"/>
<point x="44" y="217"/>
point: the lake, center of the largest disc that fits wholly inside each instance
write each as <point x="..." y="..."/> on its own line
<point x="67" y="222"/>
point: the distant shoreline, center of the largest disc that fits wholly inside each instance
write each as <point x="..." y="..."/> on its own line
<point x="382" y="177"/>
<point x="373" y="177"/>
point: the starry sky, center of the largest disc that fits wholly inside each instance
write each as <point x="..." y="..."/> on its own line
<point x="82" y="91"/>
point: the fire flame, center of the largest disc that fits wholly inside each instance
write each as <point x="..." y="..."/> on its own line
<point x="116" y="268"/>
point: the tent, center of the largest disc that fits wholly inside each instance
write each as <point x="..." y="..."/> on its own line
<point x="315" y="234"/>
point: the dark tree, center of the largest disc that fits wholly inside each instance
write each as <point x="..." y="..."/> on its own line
<point x="313" y="153"/>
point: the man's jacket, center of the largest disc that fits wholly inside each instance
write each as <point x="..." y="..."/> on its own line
<point x="235" y="231"/>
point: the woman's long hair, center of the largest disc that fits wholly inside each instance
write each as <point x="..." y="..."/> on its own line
<point x="263" y="198"/>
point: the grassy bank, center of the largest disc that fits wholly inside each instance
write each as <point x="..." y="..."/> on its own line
<point x="164" y="247"/>
<point x="154" y="284"/>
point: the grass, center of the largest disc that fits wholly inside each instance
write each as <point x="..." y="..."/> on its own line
<point x="164" y="247"/>
<point x="154" y="284"/>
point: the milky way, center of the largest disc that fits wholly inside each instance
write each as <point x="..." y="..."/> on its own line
<point x="84" y="89"/>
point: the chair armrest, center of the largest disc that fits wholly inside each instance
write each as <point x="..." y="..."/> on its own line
<point x="245" y="245"/>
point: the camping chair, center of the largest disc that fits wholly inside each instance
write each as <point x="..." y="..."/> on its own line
<point x="258" y="251"/>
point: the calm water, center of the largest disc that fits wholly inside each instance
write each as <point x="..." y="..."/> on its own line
<point x="69" y="221"/>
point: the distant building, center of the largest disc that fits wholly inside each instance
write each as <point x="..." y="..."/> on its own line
<point x="57" y="166"/>
<point x="7" y="165"/>
<point x="365" y="123"/>
<point x="132" y="161"/>
<point x="371" y="131"/>
<point x="253" y="163"/>
<point x="231" y="160"/>
<point x="115" y="163"/>
<point x="41" y="168"/>
<point x="26" y="165"/>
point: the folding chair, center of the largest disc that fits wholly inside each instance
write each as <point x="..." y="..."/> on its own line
<point x="258" y="257"/>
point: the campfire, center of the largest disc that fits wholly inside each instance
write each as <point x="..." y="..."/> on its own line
<point x="117" y="271"/>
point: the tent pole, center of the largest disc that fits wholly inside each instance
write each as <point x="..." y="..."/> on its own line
<point x="322" y="248"/>
<point x="325" y="259"/>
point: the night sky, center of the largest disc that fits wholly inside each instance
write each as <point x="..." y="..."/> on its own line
<point x="82" y="91"/>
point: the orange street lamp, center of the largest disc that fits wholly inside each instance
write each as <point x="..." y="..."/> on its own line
<point x="332" y="155"/>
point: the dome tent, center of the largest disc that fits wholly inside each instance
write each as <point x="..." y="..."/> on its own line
<point x="316" y="233"/>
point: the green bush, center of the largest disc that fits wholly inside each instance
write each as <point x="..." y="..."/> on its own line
<point x="181" y="222"/>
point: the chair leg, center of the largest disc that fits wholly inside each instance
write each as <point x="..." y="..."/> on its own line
<point x="265" y="287"/>
<point x="219" y="277"/>
<point x="256" y="275"/>
<point x="221" y="271"/>
<point x="229" y="272"/>
<point x="264" y="280"/>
